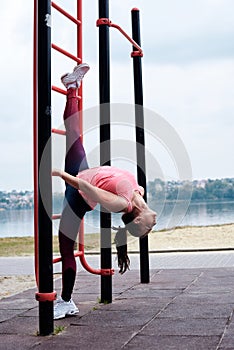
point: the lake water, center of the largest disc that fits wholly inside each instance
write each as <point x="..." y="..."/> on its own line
<point x="18" y="223"/>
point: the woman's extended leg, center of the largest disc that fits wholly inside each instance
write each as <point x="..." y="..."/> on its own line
<point x="75" y="160"/>
<point x="74" y="205"/>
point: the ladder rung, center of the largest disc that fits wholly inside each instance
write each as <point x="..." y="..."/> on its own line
<point x="66" y="14"/>
<point x="58" y="131"/>
<point x="56" y="216"/>
<point x="66" y="53"/>
<point x="57" y="89"/>
<point x="79" y="253"/>
<point x="61" y="91"/>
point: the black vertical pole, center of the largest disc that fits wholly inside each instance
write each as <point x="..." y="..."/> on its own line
<point x="105" y="156"/>
<point x="45" y="187"/>
<point x="140" y="137"/>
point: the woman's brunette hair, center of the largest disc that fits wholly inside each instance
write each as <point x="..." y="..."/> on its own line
<point x="121" y="239"/>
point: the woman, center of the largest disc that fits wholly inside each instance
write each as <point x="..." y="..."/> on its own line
<point x="114" y="189"/>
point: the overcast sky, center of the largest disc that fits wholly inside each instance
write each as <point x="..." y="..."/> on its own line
<point x="188" y="74"/>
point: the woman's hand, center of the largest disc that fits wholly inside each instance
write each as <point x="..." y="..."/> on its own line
<point x="57" y="172"/>
<point x="69" y="179"/>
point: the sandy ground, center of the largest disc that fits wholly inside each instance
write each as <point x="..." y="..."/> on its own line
<point x="200" y="237"/>
<point x="205" y="237"/>
<point x="10" y="285"/>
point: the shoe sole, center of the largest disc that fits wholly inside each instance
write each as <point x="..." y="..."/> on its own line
<point x="81" y="65"/>
<point x="70" y="313"/>
<point x="77" y="68"/>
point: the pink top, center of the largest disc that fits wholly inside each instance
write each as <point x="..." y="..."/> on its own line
<point x="111" y="179"/>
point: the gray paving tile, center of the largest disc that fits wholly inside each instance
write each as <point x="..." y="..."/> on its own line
<point x="197" y="310"/>
<point x="16" y="341"/>
<point x="19" y="325"/>
<point x="227" y="342"/>
<point x="155" y="342"/>
<point x="117" y="318"/>
<point x="142" y="291"/>
<point x="186" y="327"/>
<point x="85" y="337"/>
<point x="8" y="314"/>
<point x="206" y="297"/>
<point x="18" y="303"/>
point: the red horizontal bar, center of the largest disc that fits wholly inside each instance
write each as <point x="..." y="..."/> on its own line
<point x="66" y="14"/>
<point x="56" y="260"/>
<point x="57" y="89"/>
<point x="66" y="53"/>
<point x="58" y="132"/>
<point x="56" y="216"/>
<point x="107" y="272"/>
<point x="61" y="91"/>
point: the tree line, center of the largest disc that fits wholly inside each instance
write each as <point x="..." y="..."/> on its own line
<point x="159" y="190"/>
<point x="198" y="190"/>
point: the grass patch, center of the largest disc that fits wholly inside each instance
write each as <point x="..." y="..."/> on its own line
<point x="105" y="302"/>
<point x="24" y="246"/>
<point x="58" y="329"/>
<point x="20" y="246"/>
<point x="16" y="246"/>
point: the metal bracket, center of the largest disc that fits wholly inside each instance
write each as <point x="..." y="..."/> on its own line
<point x="107" y="22"/>
<point x="46" y="296"/>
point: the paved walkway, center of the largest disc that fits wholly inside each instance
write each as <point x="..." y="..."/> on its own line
<point x="181" y="308"/>
<point x="25" y="265"/>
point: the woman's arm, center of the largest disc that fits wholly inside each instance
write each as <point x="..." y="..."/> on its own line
<point x="71" y="180"/>
<point x="108" y="200"/>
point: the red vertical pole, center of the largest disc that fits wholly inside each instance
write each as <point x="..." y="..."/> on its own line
<point x="35" y="153"/>
<point x="80" y="101"/>
<point x="80" y="55"/>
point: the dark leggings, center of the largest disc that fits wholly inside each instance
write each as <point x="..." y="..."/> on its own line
<point x="74" y="207"/>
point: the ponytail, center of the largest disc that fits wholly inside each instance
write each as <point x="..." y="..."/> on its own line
<point x="121" y="238"/>
<point x="121" y="246"/>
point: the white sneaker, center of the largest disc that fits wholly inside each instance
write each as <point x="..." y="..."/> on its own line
<point x="73" y="80"/>
<point x="63" y="308"/>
